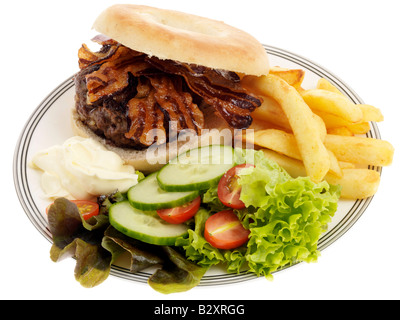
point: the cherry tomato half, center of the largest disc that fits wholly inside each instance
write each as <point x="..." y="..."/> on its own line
<point x="86" y="208"/>
<point x="180" y="214"/>
<point x="229" y="189"/>
<point x="224" y="230"/>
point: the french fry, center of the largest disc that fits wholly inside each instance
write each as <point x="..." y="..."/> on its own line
<point x="293" y="77"/>
<point x="333" y="103"/>
<point x="346" y="165"/>
<point x="271" y="111"/>
<point x="334" y="168"/>
<point x="294" y="167"/>
<point x="285" y="143"/>
<point x="370" y="113"/>
<point x="331" y="120"/>
<point x="334" y="122"/>
<point x="276" y="140"/>
<point x="359" y="128"/>
<point x="341" y="131"/>
<point x="314" y="154"/>
<point x="326" y="85"/>
<point x="259" y="124"/>
<point x="313" y="132"/>
<point x="360" y="150"/>
<point x="321" y="128"/>
<point x="355" y="183"/>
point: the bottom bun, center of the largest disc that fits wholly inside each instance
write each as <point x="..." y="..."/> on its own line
<point x="153" y="158"/>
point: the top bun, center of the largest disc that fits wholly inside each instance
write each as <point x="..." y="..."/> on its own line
<point x="183" y="37"/>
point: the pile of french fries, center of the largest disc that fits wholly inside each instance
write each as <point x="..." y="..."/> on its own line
<point x="317" y="132"/>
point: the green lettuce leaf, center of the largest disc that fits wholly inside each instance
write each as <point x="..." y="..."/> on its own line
<point x="96" y="245"/>
<point x="211" y="200"/>
<point x="142" y="255"/>
<point x="195" y="245"/>
<point x="92" y="262"/>
<point x="177" y="275"/>
<point x="286" y="217"/>
<point x="72" y="239"/>
<point x="106" y="201"/>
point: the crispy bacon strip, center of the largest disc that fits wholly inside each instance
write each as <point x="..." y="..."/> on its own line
<point x="158" y="98"/>
<point x="88" y="57"/>
<point x="177" y="104"/>
<point x="113" y="75"/>
<point x="147" y="120"/>
<point x="218" y="88"/>
<point x="162" y="91"/>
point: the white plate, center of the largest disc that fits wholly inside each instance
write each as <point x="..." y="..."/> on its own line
<point x="49" y="125"/>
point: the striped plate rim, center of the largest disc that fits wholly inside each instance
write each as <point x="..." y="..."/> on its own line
<point x="32" y="211"/>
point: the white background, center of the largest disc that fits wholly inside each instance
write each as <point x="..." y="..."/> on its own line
<point x="356" y="40"/>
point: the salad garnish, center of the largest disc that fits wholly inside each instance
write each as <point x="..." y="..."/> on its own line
<point x="270" y="222"/>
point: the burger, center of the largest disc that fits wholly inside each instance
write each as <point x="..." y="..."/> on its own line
<point x="159" y="73"/>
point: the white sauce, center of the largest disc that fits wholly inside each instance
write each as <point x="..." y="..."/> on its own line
<point x="82" y="169"/>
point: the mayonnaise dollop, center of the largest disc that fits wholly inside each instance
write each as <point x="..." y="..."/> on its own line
<point x="82" y="168"/>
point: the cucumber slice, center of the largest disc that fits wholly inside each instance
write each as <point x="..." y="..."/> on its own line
<point x="144" y="226"/>
<point x="196" y="169"/>
<point x="147" y="195"/>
